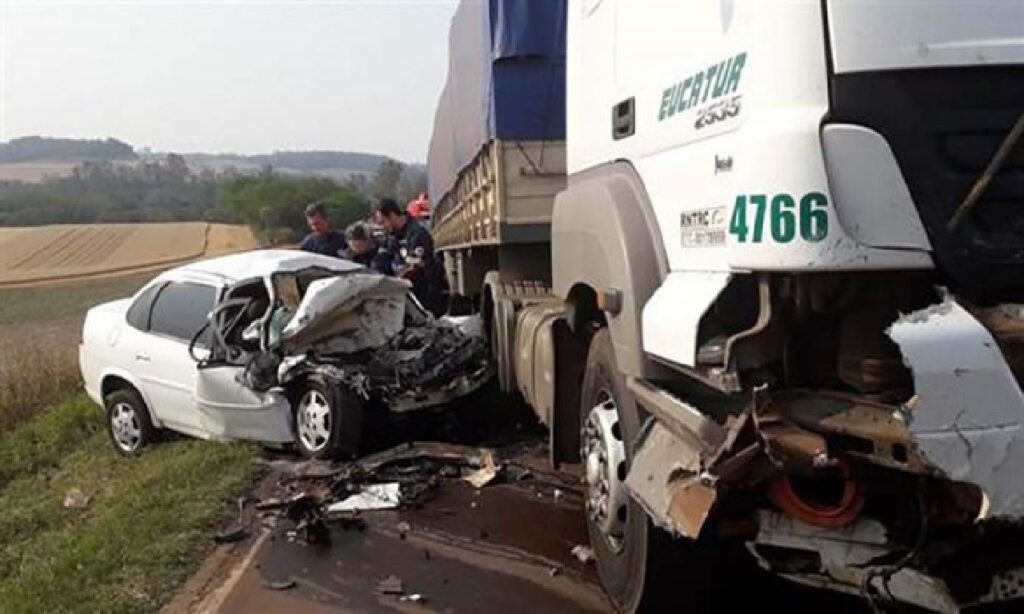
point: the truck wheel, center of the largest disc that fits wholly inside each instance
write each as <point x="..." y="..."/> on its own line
<point x="635" y="560"/>
<point x="128" y="422"/>
<point x="328" y="419"/>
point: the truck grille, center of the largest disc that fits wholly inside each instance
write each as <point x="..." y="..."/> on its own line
<point x="944" y="125"/>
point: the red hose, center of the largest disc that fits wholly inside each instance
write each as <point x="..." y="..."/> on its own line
<point x="843" y="513"/>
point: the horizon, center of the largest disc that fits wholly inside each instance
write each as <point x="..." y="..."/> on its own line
<point x="255" y="78"/>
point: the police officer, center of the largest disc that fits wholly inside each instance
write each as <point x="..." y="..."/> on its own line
<point x="322" y="239"/>
<point x="412" y="254"/>
<point x="363" y="249"/>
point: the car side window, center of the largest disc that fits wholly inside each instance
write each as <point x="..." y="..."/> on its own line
<point x="138" y="313"/>
<point x="180" y="309"/>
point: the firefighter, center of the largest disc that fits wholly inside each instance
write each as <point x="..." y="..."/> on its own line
<point x="411" y="251"/>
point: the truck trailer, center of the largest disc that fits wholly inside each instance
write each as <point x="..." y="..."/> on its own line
<point x="758" y="266"/>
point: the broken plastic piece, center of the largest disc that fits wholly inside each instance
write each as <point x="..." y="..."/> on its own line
<point x="372" y="497"/>
<point x="75" y="499"/>
<point x="583" y="554"/>
<point x="485" y="474"/>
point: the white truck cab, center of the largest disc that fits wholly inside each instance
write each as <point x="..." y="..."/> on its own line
<point x="785" y="307"/>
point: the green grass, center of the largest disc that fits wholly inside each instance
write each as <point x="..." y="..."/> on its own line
<point x="148" y="522"/>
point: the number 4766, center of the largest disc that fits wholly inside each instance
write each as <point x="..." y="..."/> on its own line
<point x="784" y="217"/>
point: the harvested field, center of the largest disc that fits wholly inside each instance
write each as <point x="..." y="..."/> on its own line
<point x="46" y="254"/>
<point x="34" y="172"/>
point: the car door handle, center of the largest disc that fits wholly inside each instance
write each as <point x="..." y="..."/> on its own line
<point x="141" y="357"/>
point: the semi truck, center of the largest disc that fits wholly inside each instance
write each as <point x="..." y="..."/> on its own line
<point x="758" y="266"/>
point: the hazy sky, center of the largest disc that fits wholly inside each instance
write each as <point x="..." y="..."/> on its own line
<point x="249" y="77"/>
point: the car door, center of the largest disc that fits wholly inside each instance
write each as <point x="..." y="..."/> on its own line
<point x="161" y="354"/>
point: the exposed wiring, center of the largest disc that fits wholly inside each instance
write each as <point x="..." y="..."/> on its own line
<point x="886" y="572"/>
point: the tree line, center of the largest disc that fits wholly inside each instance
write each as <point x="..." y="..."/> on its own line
<point x="168" y="190"/>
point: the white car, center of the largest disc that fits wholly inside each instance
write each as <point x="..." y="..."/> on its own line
<point x="275" y="346"/>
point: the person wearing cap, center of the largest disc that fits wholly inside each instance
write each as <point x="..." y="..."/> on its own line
<point x="363" y="249"/>
<point x="322" y="239"/>
<point x="411" y="250"/>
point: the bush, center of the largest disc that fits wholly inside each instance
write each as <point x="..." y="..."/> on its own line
<point x="32" y="377"/>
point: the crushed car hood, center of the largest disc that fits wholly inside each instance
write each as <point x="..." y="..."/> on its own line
<point x="346" y="314"/>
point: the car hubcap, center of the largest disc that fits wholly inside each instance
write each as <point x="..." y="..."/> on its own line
<point x="604" y="460"/>
<point x="314" y="420"/>
<point x="125" y="427"/>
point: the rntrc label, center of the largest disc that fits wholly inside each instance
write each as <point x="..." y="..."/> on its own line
<point x="703" y="227"/>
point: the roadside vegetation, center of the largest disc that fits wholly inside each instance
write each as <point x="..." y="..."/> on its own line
<point x="132" y="533"/>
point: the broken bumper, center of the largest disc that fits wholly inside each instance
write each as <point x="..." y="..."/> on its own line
<point x="920" y="503"/>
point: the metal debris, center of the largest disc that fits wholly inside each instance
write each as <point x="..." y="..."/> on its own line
<point x="583" y="554"/>
<point x="413" y="598"/>
<point x="485" y="474"/>
<point x="372" y="497"/>
<point x="279" y="585"/>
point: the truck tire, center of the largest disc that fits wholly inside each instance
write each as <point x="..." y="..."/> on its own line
<point x="637" y="563"/>
<point x="128" y="422"/>
<point x="328" y="419"/>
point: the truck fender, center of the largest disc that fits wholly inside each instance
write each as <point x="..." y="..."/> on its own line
<point x="605" y="238"/>
<point x="131" y="379"/>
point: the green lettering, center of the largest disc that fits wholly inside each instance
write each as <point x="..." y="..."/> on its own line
<point x="720" y="78"/>
<point x="666" y="98"/>
<point x="698" y="80"/>
<point x="708" y="74"/>
<point x="735" y="73"/>
<point x="681" y="101"/>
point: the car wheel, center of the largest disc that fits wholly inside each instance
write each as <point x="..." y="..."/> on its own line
<point x="328" y="419"/>
<point x="128" y="422"/>
<point x="639" y="565"/>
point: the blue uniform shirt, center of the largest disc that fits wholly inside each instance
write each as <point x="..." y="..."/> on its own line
<point x="330" y="243"/>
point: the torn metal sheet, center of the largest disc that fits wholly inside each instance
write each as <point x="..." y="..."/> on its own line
<point x="848" y="558"/>
<point x="662" y="459"/>
<point x="967" y="415"/>
<point x="347" y="313"/>
<point x="371" y="497"/>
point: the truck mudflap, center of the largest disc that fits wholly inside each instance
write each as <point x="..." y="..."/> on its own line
<point x="919" y="502"/>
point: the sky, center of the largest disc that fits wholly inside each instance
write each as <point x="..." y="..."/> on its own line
<point x="226" y="76"/>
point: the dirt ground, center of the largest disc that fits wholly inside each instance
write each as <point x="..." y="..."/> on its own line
<point x="58" y="253"/>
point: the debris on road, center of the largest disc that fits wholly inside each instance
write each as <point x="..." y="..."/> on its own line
<point x="235" y="532"/>
<point x="583" y="554"/>
<point x="391" y="585"/>
<point x="483" y="476"/>
<point x="75" y="499"/>
<point x="279" y="585"/>
<point x="413" y="598"/>
<point x="372" y="497"/>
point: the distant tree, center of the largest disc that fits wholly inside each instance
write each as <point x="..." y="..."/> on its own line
<point x="177" y="168"/>
<point x="385" y="180"/>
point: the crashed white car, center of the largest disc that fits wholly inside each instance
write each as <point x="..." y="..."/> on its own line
<point x="275" y="346"/>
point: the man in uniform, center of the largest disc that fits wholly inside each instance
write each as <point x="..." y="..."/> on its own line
<point x="322" y="239"/>
<point x="412" y="254"/>
<point x="364" y="250"/>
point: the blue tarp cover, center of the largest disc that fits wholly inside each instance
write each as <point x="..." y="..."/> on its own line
<point x="506" y="80"/>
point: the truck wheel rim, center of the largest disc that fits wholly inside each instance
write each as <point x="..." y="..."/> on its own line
<point x="125" y="426"/>
<point x="604" y="461"/>
<point x="314" y="421"/>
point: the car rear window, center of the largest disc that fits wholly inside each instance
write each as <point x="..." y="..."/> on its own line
<point x="138" y="313"/>
<point x="180" y="309"/>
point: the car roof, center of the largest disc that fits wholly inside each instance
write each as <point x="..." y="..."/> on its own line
<point x="259" y="263"/>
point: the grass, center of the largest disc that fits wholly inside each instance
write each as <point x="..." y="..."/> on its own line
<point x="39" y="333"/>
<point x="148" y="521"/>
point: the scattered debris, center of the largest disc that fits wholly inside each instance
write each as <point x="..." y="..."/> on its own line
<point x="558" y="494"/>
<point x="307" y="514"/>
<point x="391" y="585"/>
<point x="372" y="497"/>
<point x="235" y="532"/>
<point x="486" y="473"/>
<point x="583" y="554"/>
<point x="279" y="585"/>
<point x="413" y="598"/>
<point x="403" y="529"/>
<point x="75" y="499"/>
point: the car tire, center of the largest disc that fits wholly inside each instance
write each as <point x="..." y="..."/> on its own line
<point x="640" y="566"/>
<point x="128" y="423"/>
<point x="328" y="419"/>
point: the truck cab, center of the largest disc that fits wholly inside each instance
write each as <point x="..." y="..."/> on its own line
<point x="784" y="315"/>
